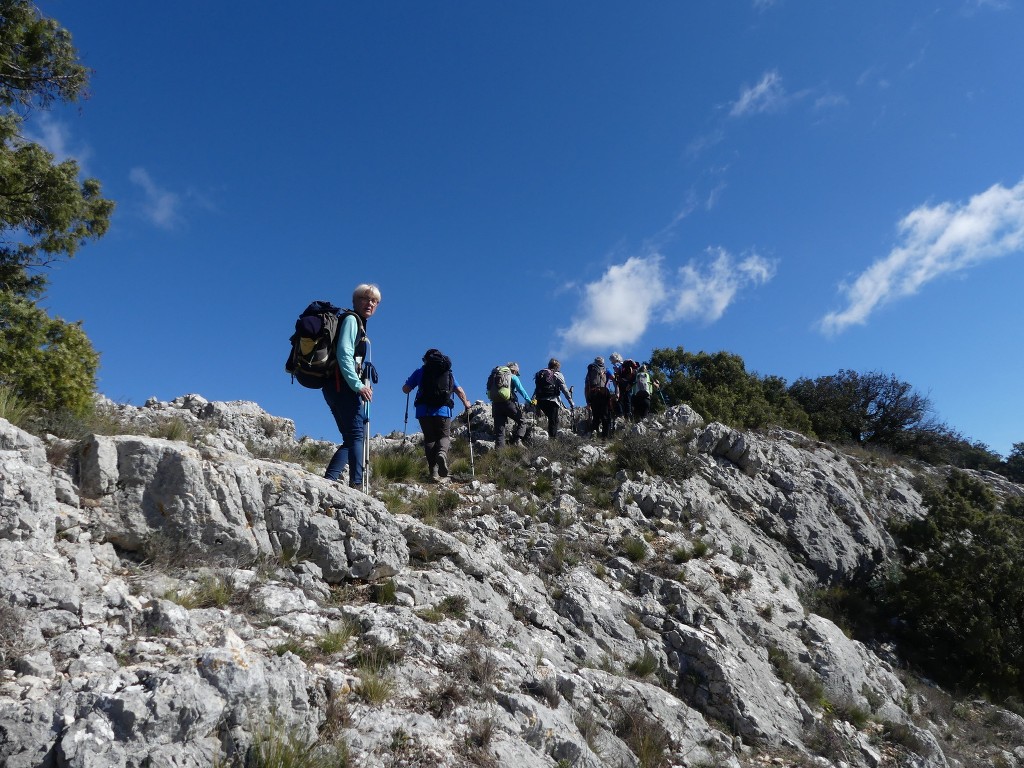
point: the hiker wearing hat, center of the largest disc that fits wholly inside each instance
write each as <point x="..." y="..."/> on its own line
<point x="549" y="386"/>
<point x="435" y="387"/>
<point x="599" y="398"/>
<point x="504" y="388"/>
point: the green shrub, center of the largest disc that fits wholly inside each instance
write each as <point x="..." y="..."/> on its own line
<point x="655" y="454"/>
<point x="643" y="665"/>
<point x="14" y="408"/>
<point x="398" y="466"/>
<point x="506" y="468"/>
<point x="275" y="746"/>
<point x="209" y="592"/>
<point x="956" y="602"/>
<point x="644" y="735"/>
<point x="173" y="428"/>
<point x="635" y="548"/>
<point x="48" y="363"/>
<point x="335" y="640"/>
<point x="384" y="592"/>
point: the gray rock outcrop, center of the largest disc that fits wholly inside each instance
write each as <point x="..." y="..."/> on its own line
<point x="172" y="603"/>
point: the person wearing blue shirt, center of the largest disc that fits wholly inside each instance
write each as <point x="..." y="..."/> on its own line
<point x="435" y="419"/>
<point x="346" y="392"/>
<point x="502" y="411"/>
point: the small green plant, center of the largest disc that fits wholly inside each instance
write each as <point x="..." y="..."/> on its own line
<point x="435" y="506"/>
<point x="681" y="555"/>
<point x="374" y="687"/>
<point x="384" y="592"/>
<point x="644" y="735"/>
<point x="209" y="592"/>
<point x="13" y="643"/>
<point x="643" y="665"/>
<point x="506" y="468"/>
<point x="700" y="548"/>
<point x="173" y="428"/>
<point x="807" y="684"/>
<point x="14" y="408"/>
<point x="477" y="740"/>
<point x="294" y="646"/>
<point x="395" y="466"/>
<point x="635" y="548"/>
<point x="275" y="746"/>
<point x="335" y="640"/>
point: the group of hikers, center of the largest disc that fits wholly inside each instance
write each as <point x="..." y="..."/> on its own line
<point x="331" y="352"/>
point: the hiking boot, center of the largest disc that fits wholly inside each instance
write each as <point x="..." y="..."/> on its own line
<point x="442" y="465"/>
<point x="434" y="474"/>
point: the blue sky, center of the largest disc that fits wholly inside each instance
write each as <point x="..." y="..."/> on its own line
<point x="810" y="185"/>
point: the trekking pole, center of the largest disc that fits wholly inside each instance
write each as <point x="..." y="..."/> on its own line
<point x="366" y="448"/>
<point x="572" y="400"/>
<point x="469" y="436"/>
<point x="406" y="427"/>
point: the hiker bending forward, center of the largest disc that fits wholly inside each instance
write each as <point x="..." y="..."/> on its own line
<point x="347" y="392"/>
<point x="435" y="386"/>
<point x="548" y="391"/>
<point x="503" y="410"/>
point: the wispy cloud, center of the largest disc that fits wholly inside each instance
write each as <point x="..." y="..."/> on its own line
<point x="160" y="206"/>
<point x="56" y="138"/>
<point x="619" y="307"/>
<point x="935" y="241"/>
<point x="767" y="95"/>
<point x="706" y="290"/>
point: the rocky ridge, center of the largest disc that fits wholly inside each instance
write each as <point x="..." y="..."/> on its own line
<point x="199" y="602"/>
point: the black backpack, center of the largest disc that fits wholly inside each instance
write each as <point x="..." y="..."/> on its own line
<point x="312" y="360"/>
<point x="545" y="385"/>
<point x="437" y="385"/>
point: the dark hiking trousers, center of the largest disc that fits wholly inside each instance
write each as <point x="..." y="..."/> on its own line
<point x="502" y="412"/>
<point x="601" y="409"/>
<point x="641" y="405"/>
<point x="550" y="408"/>
<point x="436" y="438"/>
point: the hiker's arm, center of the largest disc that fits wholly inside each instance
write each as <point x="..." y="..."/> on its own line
<point x="460" y="392"/>
<point x="517" y="385"/>
<point x="347" y="354"/>
<point x="413" y="381"/>
<point x="563" y="389"/>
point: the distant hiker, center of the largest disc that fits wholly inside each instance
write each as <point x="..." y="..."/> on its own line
<point x="623" y="372"/>
<point x="548" y="387"/>
<point x="503" y="387"/>
<point x="643" y="385"/>
<point x="435" y="387"/>
<point x="599" y="398"/>
<point x="348" y="391"/>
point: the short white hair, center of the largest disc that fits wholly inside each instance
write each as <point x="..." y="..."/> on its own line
<point x="366" y="289"/>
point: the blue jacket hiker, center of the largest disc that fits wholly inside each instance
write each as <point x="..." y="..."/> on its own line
<point x="348" y="395"/>
<point x="435" y="387"/>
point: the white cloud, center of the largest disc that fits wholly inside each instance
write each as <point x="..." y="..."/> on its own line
<point x="160" y="205"/>
<point x="56" y="138"/>
<point x="936" y="240"/>
<point x="768" y="95"/>
<point x="618" y="308"/>
<point x="705" y="292"/>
